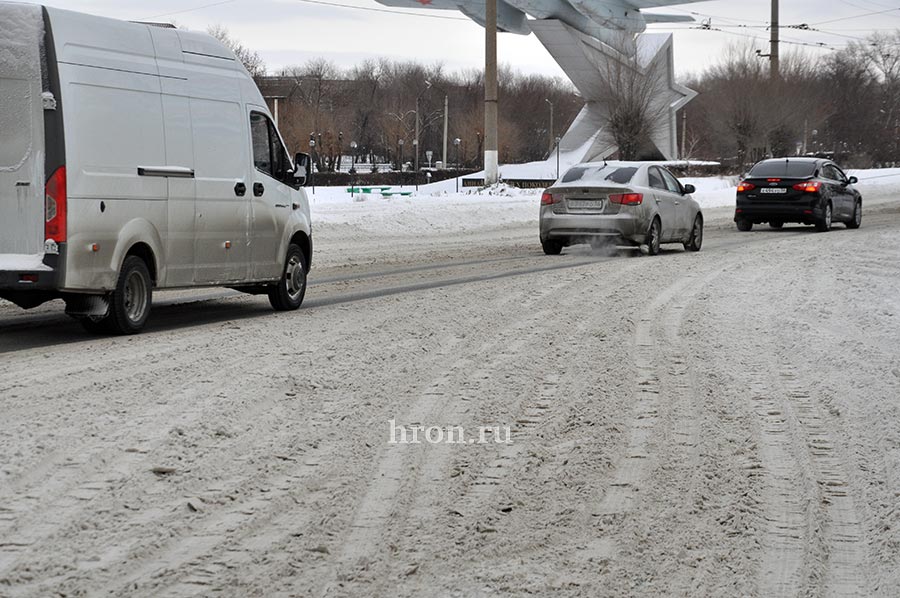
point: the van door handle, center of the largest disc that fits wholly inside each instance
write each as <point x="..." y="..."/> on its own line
<point x="258" y="189"/>
<point x="240" y="189"/>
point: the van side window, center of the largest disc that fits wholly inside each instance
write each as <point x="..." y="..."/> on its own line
<point x="269" y="155"/>
<point x="281" y="163"/>
<point x="262" y="149"/>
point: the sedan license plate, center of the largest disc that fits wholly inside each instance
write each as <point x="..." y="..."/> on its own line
<point x="587" y="204"/>
<point x="774" y="190"/>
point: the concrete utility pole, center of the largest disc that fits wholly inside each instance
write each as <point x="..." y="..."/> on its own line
<point x="775" y="42"/>
<point x="491" y="145"/>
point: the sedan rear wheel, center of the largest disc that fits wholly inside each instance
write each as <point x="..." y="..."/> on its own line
<point x="552" y="246"/>
<point x="696" y="240"/>
<point x="653" y="237"/>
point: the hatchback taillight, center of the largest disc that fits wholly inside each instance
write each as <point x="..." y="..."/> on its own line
<point x="627" y="199"/>
<point x="745" y="186"/>
<point x="808" y="187"/>
<point x="55" y="207"/>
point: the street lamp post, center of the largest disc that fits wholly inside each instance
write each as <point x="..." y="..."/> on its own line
<point x="416" y="140"/>
<point x="557" y="156"/>
<point x="353" y="147"/>
<point x="400" y="143"/>
<point x="456" y="144"/>
<point x="480" y="154"/>
<point x="416" y="151"/>
<point x="312" y="149"/>
<point x="550" y="135"/>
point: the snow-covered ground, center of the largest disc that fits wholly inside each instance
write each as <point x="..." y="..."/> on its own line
<point x="441" y="207"/>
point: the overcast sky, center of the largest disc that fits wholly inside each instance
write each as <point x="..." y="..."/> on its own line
<point x="288" y="32"/>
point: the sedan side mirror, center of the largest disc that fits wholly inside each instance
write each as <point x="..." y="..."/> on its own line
<point x="688" y="189"/>
<point x="302" y="169"/>
<point x="853" y="180"/>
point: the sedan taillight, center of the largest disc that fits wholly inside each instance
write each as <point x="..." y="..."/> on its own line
<point x="745" y="186"/>
<point x="627" y="199"/>
<point x="548" y="199"/>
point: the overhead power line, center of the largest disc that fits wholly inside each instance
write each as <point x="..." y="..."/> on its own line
<point x="179" y="12"/>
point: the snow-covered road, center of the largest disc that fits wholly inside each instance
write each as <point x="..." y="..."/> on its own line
<point x="724" y="423"/>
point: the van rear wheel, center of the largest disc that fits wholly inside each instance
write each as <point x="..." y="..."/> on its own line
<point x="129" y="305"/>
<point x="288" y="293"/>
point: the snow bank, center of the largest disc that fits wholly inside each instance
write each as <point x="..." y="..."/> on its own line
<point x="15" y="262"/>
<point x="440" y="207"/>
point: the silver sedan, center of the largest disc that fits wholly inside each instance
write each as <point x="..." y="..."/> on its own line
<point x="620" y="203"/>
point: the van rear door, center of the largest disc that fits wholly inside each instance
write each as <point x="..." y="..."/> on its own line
<point x="22" y="130"/>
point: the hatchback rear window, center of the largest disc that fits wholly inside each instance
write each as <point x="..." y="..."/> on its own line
<point x="783" y="168"/>
<point x="615" y="174"/>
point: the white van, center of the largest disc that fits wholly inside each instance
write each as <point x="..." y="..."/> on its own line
<point x="136" y="157"/>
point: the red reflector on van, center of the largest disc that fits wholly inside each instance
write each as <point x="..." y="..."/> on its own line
<point x="55" y="206"/>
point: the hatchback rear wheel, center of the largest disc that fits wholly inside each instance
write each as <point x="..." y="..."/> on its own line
<point x="824" y="224"/>
<point x="856" y="221"/>
<point x="744" y="225"/>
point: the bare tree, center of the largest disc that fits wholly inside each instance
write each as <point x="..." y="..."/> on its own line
<point x="631" y="92"/>
<point x="251" y="60"/>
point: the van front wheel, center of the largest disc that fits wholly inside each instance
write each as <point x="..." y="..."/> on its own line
<point x="288" y="293"/>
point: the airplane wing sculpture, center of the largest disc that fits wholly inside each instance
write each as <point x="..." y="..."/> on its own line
<point x="585" y="36"/>
<point x="595" y="18"/>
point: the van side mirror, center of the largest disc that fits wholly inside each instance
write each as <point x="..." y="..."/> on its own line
<point x="853" y="180"/>
<point x="688" y="189"/>
<point x="302" y="169"/>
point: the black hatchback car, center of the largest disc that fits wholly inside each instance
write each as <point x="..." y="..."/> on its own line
<point x="805" y="190"/>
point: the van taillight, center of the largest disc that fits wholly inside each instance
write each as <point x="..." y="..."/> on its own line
<point x="55" y="204"/>
<point x="627" y="199"/>
<point x="548" y="199"/>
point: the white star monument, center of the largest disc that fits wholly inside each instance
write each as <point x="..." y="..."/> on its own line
<point x="585" y="37"/>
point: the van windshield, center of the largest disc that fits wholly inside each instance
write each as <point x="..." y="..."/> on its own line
<point x="614" y="174"/>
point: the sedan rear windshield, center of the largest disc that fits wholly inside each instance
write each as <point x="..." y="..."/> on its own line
<point x="784" y="168"/>
<point x="615" y="174"/>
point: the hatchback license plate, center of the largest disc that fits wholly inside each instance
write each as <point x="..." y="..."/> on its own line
<point x="776" y="190"/>
<point x="587" y="204"/>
